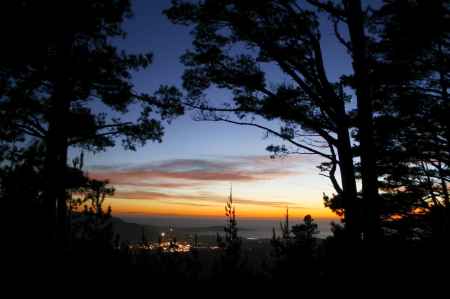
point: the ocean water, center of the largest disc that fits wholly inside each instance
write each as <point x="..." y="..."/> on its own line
<point x="248" y="228"/>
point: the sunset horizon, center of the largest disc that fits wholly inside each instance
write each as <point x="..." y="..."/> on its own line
<point x="293" y="142"/>
<point x="263" y="187"/>
<point x="192" y="169"/>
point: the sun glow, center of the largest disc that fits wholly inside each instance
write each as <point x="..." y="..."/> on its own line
<point x="127" y="206"/>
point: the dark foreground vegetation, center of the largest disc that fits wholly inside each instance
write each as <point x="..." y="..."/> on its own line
<point x="385" y="127"/>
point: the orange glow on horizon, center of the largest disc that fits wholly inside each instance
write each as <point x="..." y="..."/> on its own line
<point x="137" y="207"/>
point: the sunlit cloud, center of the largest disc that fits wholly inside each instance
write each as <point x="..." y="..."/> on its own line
<point x="180" y="173"/>
<point x="201" y="186"/>
<point x="151" y="185"/>
<point x="204" y="198"/>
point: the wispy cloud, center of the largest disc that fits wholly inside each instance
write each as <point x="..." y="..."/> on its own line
<point x="179" y="173"/>
<point x="188" y="181"/>
<point x="202" y="199"/>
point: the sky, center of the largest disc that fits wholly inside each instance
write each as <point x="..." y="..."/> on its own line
<point x="191" y="172"/>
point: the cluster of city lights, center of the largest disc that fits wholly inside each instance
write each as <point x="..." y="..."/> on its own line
<point x="163" y="246"/>
<point x="167" y="243"/>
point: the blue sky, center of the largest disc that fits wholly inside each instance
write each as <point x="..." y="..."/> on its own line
<point x="297" y="183"/>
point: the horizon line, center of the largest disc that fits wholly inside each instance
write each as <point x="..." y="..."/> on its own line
<point x="210" y="216"/>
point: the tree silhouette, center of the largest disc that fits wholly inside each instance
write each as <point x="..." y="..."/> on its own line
<point x="234" y="43"/>
<point x="232" y="239"/>
<point x="21" y="182"/>
<point x="409" y="78"/>
<point x="294" y="253"/>
<point x="281" y="249"/>
<point x="411" y="70"/>
<point x="284" y="227"/>
<point x="232" y="260"/>
<point x="310" y="105"/>
<point x="69" y="77"/>
<point x="306" y="230"/>
<point x="89" y="225"/>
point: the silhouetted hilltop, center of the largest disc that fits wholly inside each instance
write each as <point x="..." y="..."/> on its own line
<point x="130" y="232"/>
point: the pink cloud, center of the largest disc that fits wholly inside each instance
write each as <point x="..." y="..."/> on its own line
<point x="181" y="173"/>
<point x="205" y="199"/>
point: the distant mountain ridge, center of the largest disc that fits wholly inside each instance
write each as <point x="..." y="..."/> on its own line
<point x="133" y="232"/>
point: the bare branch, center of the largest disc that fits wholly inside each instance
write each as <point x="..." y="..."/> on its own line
<point x="114" y="126"/>
<point x="332" y="173"/>
<point x="215" y="109"/>
<point x="328" y="7"/>
<point x="92" y="136"/>
<point x="30" y="131"/>
<point x="312" y="150"/>
<point x="35" y="122"/>
<point x="339" y="37"/>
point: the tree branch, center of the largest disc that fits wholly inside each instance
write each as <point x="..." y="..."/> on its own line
<point x="216" y="109"/>
<point x="114" y="125"/>
<point x="30" y="131"/>
<point x="332" y="173"/>
<point x="84" y="138"/>
<point x="276" y="134"/>
<point x="329" y="8"/>
<point x="320" y="132"/>
<point x="339" y="37"/>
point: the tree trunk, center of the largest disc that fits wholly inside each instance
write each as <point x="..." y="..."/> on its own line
<point x="355" y="21"/>
<point x="349" y="191"/>
<point x="55" y="170"/>
<point x="57" y="145"/>
<point x="347" y="171"/>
